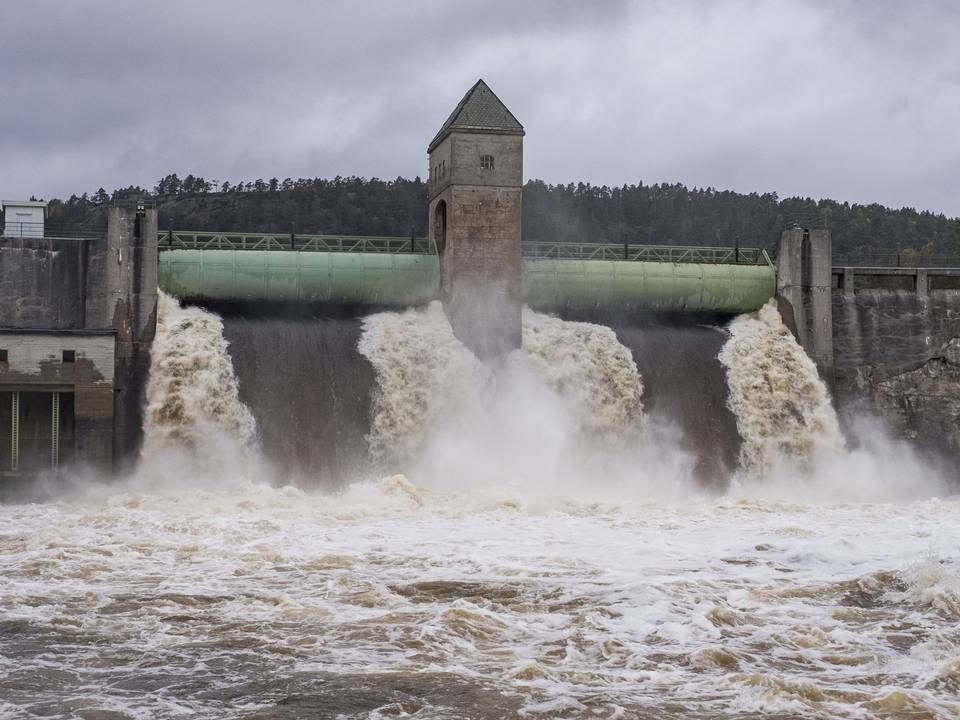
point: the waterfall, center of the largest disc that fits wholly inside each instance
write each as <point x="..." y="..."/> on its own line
<point x="573" y="384"/>
<point x="587" y="364"/>
<point x="422" y="371"/>
<point x="783" y="411"/>
<point x="192" y="393"/>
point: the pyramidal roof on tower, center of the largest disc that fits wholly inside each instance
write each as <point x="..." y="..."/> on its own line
<point x="480" y="110"/>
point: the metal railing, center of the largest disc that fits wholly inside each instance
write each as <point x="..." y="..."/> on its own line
<point x="902" y="259"/>
<point x="195" y="240"/>
<point x="17" y="228"/>
<point x="14" y="229"/>
<point x="646" y="253"/>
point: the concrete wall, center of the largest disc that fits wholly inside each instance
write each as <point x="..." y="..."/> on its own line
<point x="440" y="164"/>
<point x="41" y="283"/>
<point x="122" y="295"/>
<point x="481" y="281"/>
<point x="804" y="280"/>
<point x="35" y="362"/>
<point x="897" y="357"/>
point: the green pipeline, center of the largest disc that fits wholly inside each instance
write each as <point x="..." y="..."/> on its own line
<point x="399" y="279"/>
<point x="647" y="286"/>
<point x="327" y="277"/>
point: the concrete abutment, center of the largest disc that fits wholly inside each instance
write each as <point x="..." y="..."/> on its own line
<point x="804" y="287"/>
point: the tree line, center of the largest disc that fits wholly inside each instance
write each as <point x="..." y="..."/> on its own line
<point x="662" y="213"/>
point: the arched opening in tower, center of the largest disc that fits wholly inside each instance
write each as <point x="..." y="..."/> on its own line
<point x="440" y="228"/>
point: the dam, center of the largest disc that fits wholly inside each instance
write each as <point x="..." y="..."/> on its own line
<point x="79" y="310"/>
<point x="252" y="474"/>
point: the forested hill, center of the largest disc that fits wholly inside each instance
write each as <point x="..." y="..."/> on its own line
<point x="660" y="214"/>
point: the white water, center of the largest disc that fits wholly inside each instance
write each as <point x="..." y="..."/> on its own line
<point x="565" y="407"/>
<point x="515" y="572"/>
<point x="427" y="378"/>
<point x="782" y="407"/>
<point x="193" y="409"/>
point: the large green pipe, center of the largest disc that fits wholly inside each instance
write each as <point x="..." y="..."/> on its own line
<point x="409" y="279"/>
<point x="333" y="277"/>
<point x="647" y="286"/>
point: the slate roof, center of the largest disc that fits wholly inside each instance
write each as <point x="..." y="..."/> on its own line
<point x="480" y="109"/>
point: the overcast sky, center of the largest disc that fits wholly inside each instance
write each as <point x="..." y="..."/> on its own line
<point x="856" y="101"/>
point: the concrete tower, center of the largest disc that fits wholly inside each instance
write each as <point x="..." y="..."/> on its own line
<point x="475" y="191"/>
<point x="804" y="287"/>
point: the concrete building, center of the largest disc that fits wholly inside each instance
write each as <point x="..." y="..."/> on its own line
<point x="77" y="316"/>
<point x="475" y="191"/>
<point x="23" y="218"/>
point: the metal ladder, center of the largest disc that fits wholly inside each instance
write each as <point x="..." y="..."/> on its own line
<point x="55" y="430"/>
<point x="15" y="432"/>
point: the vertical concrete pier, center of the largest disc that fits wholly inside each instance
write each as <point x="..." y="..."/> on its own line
<point x="804" y="282"/>
<point x="475" y="191"/>
<point x="922" y="284"/>
<point x="123" y="295"/>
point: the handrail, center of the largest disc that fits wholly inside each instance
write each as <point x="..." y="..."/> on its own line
<point x="199" y="240"/>
<point x="901" y="259"/>
<point x="22" y="229"/>
<point x="645" y="253"/>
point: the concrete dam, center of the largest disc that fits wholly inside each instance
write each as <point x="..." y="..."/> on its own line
<point x="78" y="317"/>
<point x="296" y="316"/>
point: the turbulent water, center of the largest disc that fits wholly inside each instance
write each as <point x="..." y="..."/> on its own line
<point x="782" y="407"/>
<point x="547" y="553"/>
<point x="565" y="406"/>
<point x="192" y="390"/>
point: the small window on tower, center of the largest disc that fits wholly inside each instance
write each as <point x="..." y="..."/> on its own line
<point x="69" y="356"/>
<point x="486" y="162"/>
<point x="3" y="355"/>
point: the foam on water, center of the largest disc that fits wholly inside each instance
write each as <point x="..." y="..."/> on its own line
<point x="793" y="446"/>
<point x="392" y="599"/>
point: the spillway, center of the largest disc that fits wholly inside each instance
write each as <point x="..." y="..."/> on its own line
<point x="316" y="413"/>
<point x="310" y="390"/>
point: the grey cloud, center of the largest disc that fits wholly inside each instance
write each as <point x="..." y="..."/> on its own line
<point x="856" y="101"/>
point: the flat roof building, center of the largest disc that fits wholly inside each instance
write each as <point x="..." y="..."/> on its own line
<point x="23" y="218"/>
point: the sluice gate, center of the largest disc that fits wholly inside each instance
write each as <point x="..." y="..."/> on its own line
<point x="247" y="267"/>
